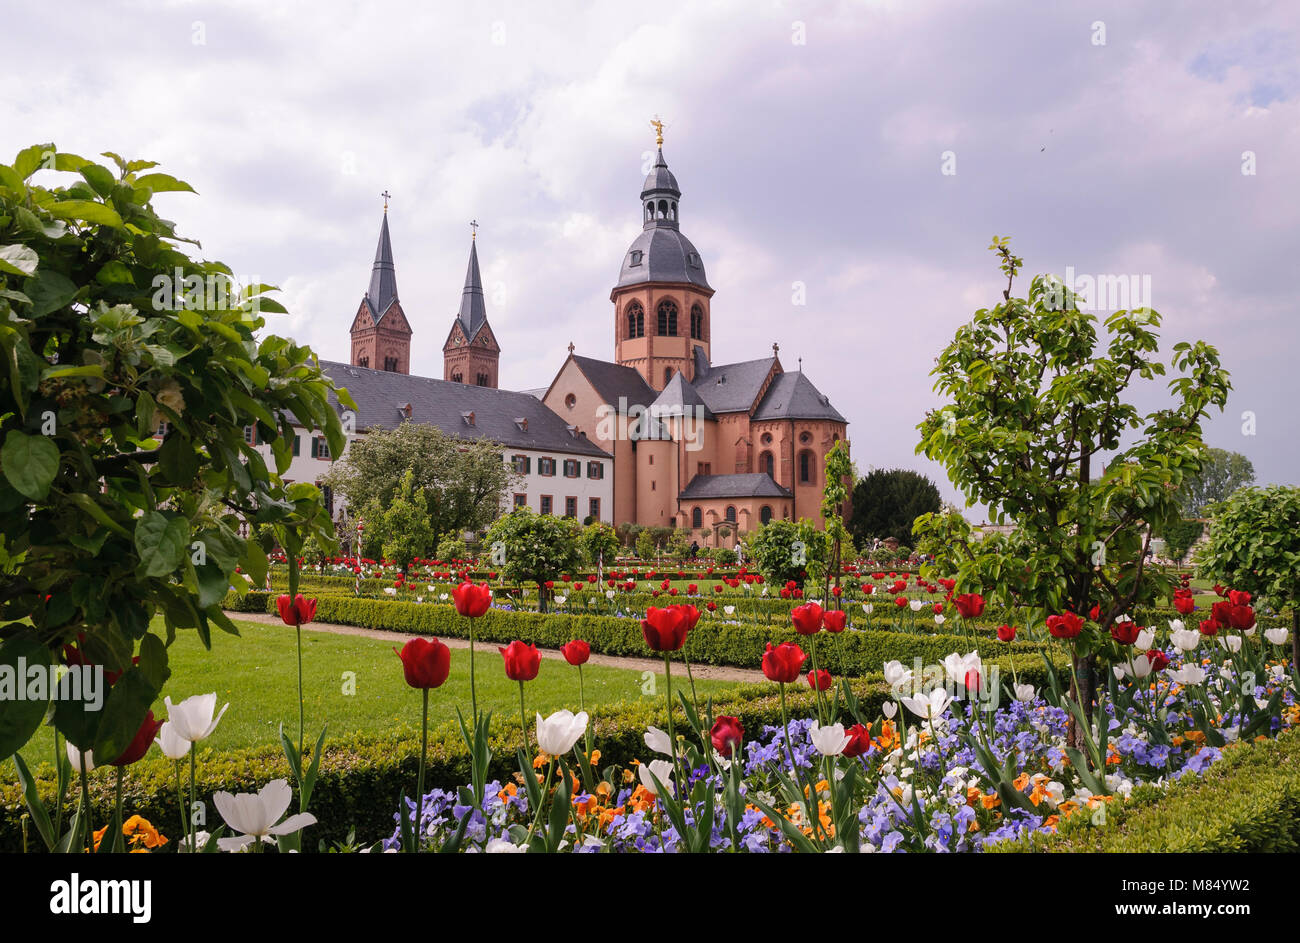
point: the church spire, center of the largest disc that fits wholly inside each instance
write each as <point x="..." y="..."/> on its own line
<point x="383" y="275"/>
<point x="473" y="310"/>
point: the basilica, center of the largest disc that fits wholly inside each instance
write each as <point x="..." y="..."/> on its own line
<point x="668" y="435"/>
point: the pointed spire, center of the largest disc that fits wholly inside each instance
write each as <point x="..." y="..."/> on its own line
<point x="383" y="276"/>
<point x="473" y="311"/>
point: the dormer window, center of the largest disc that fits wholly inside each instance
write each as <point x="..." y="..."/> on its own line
<point x="694" y="259"/>
<point x="468" y="417"/>
<point x="635" y="257"/>
<point x="522" y="423"/>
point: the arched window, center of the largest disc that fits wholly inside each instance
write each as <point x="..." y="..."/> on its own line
<point x="667" y="318"/>
<point x="765" y="514"/>
<point x="730" y="514"/>
<point x="663" y="210"/>
<point x="807" y="467"/>
<point x="697" y="322"/>
<point x="635" y="320"/>
<point x="697" y="518"/>
<point x="766" y="464"/>
<point x="672" y="212"/>
<point x="668" y="375"/>
<point x="456" y="378"/>
<point x="650" y="211"/>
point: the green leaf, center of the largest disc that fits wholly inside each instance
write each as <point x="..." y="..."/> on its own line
<point x="87" y="504"/>
<point x="30" y="159"/>
<point x="161" y="542"/>
<point x="49" y="291"/>
<point x="21" y="715"/>
<point x="18" y="260"/>
<point x="86" y="211"/>
<point x="30" y="463"/>
<point x="35" y="808"/>
<point x="163" y="183"/>
<point x="124" y="711"/>
<point x="98" y="177"/>
<point x="114" y="272"/>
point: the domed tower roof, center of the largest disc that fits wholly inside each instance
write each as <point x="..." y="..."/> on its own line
<point x="661" y="253"/>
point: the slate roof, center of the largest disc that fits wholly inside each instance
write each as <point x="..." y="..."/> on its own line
<point x="751" y="485"/>
<point x="793" y="396"/>
<point x="380" y="396"/>
<point x="732" y="387"/>
<point x="679" y="397"/>
<point x="660" y="179"/>
<point x="383" y="276"/>
<point x="661" y="253"/>
<point x="613" y="382"/>
<point x="473" y="311"/>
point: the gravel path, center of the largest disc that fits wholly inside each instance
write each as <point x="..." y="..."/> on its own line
<point x="703" y="672"/>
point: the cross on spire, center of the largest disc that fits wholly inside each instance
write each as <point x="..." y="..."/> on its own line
<point x="473" y="225"/>
<point x="385" y="195"/>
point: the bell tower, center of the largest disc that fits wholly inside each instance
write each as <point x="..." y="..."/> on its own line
<point x="662" y="299"/>
<point x="471" y="353"/>
<point x="381" y="335"/>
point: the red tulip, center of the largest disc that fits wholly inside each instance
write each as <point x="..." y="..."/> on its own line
<point x="859" y="740"/>
<point x="970" y="605"/>
<point x="834" y="620"/>
<point x="689" y="613"/>
<point x="140" y="744"/>
<point x="1159" y="660"/>
<point x="1184" y="605"/>
<point x="692" y="589"/>
<point x="472" y="599"/>
<point x="1238" y="597"/>
<point x="783" y="663"/>
<point x="576" y="652"/>
<point x="1125" y="633"/>
<point x="901" y="602"/>
<point x="807" y="618"/>
<point x="1066" y="625"/>
<point x="665" y="629"/>
<point x="298" y="611"/>
<point x="727" y="733"/>
<point x="972" y="680"/>
<point x="938" y="608"/>
<point x="819" y="680"/>
<point x="1210" y="627"/>
<point x="521" y="660"/>
<point x="1006" y="633"/>
<point x="1095" y="613"/>
<point x="425" y="662"/>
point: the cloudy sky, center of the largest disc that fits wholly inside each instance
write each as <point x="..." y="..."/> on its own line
<point x="815" y="143"/>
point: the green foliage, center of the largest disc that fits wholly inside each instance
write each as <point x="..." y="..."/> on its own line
<point x="451" y="547"/>
<point x="887" y="502"/>
<point x="407" y="531"/>
<point x="599" y="544"/>
<point x="679" y="546"/>
<point x="1179" y="536"/>
<point x="1035" y="398"/>
<point x="1248" y="801"/>
<point x="1222" y="472"/>
<point x="534" y="547"/>
<point x="646" y="546"/>
<point x="787" y="550"/>
<point x="464" y="481"/>
<point x="112" y="334"/>
<point x="723" y="556"/>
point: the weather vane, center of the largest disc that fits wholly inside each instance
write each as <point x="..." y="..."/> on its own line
<point x="659" y="130"/>
<point x="385" y="195"/>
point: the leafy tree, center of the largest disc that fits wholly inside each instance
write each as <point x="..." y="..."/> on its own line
<point x="723" y="556"/>
<point x="463" y="481"/>
<point x="1254" y="545"/>
<point x="678" y="547"/>
<point x="534" y="548"/>
<point x="1179" y="537"/>
<point x="1035" y="401"/>
<point x="887" y="502"/>
<point x="451" y="547"/>
<point x="407" y="531"/>
<point x="599" y="544"/>
<point x="835" y="498"/>
<point x="131" y="373"/>
<point x="1222" y="472"/>
<point x="787" y="550"/>
<point x="645" y="545"/>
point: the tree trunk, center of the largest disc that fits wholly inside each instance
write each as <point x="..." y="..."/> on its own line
<point x="541" y="596"/>
<point x="1082" y="691"/>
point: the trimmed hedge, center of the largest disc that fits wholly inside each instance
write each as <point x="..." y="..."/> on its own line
<point x="1248" y="801"/>
<point x="850" y="653"/>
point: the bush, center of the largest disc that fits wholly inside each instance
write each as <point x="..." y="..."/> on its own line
<point x="451" y="547"/>
<point x="1248" y="801"/>
<point x="723" y="556"/>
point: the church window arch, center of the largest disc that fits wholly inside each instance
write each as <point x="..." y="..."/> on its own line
<point x="635" y="320"/>
<point x="667" y="312"/>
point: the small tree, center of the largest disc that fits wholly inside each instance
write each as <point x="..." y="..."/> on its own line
<point x="1035" y="404"/>
<point x="599" y="544"/>
<point x="835" y="497"/>
<point x="1254" y="545"/>
<point x="1222" y="472"/>
<point x="534" y="547"/>
<point x="407" y="531"/>
<point x="787" y="550"/>
<point x="451" y="547"/>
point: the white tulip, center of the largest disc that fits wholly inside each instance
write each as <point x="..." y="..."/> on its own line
<point x="829" y="741"/>
<point x="388" y="591"/>
<point x="560" y="600"/>
<point x="729" y="610"/>
<point x="930" y="706"/>
<point x="896" y="676"/>
<point x="173" y="745"/>
<point x="1139" y="667"/>
<point x="74" y="757"/>
<point x="1185" y="639"/>
<point x="868" y="608"/>
<point x="958" y="666"/>
<point x="255" y="815"/>
<point x="889" y="709"/>
<point x="499" y="846"/>
<point x="1188" y="674"/>
<point x="1277" y="636"/>
<point x="663" y="770"/>
<point x="916" y="604"/>
<point x="1025" y="692"/>
<point x="609" y="594"/>
<point x="1176" y="625"/>
<point x="557" y="734"/>
<point x="1231" y="642"/>
<point x="192" y="718"/>
<point x="1146" y="639"/>
<point x="658" y="741"/>
<point x="938" y="620"/>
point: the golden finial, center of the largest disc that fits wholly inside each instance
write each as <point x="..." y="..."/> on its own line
<point x="473" y="225"/>
<point x="385" y="195"/>
<point x="659" y="130"/>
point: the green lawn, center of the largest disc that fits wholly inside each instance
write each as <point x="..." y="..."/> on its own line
<point x="257" y="674"/>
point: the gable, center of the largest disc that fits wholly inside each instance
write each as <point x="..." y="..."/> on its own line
<point x="394" y="319"/>
<point x="363" y="320"/>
